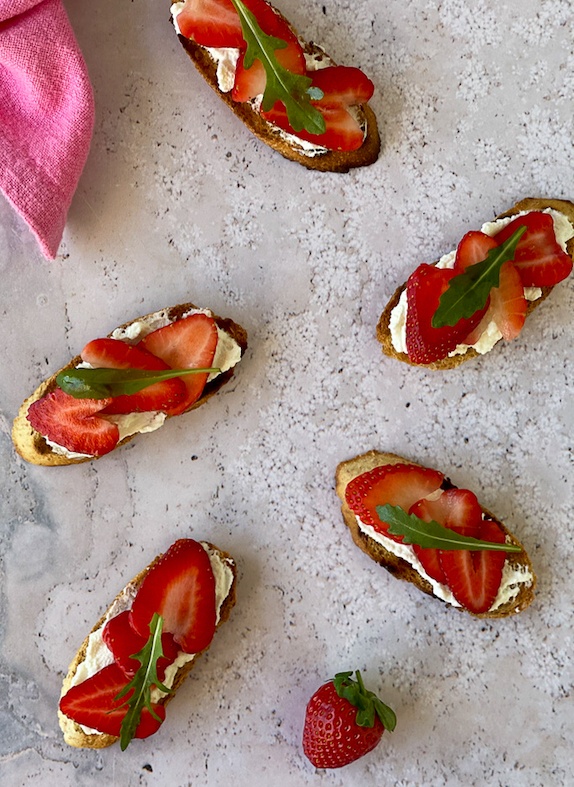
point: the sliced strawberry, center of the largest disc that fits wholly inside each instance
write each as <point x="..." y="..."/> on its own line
<point x="115" y="354"/>
<point x="181" y="588"/>
<point x="457" y="509"/>
<point x="343" y="86"/>
<point x="425" y="343"/>
<point x="250" y="82"/>
<point x="474" y="577"/>
<point x="93" y="704"/>
<point x="189" y="343"/>
<point x="124" y="642"/>
<point x="398" y="485"/>
<point x="74" y="423"/>
<point x="213" y="23"/>
<point x="507" y="302"/>
<point x="507" y="306"/>
<point x="473" y="248"/>
<point x="539" y="258"/>
<point x="342" y="130"/>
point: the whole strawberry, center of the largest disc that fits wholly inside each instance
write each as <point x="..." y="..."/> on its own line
<point x="343" y="721"/>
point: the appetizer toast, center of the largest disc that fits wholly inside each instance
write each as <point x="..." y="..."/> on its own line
<point x="55" y="428"/>
<point x="197" y="577"/>
<point x="485" y="583"/>
<point x="285" y="118"/>
<point x="528" y="266"/>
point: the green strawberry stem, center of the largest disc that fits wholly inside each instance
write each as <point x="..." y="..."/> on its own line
<point x="294" y="91"/>
<point x="366" y="702"/>
<point x="103" y="383"/>
<point x="432" y="535"/>
<point x="468" y="292"/>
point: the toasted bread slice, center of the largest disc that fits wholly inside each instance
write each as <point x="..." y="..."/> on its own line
<point x="521" y="594"/>
<point x="270" y="134"/>
<point x="74" y="734"/>
<point x="450" y="362"/>
<point x="32" y="446"/>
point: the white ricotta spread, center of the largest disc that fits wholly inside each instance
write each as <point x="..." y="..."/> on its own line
<point x="98" y="655"/>
<point x="513" y="577"/>
<point x="563" y="230"/>
<point x="227" y="355"/>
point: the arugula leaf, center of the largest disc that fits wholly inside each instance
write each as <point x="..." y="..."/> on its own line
<point x="433" y="535"/>
<point x="293" y="90"/>
<point x="103" y="383"/>
<point x="141" y="683"/>
<point x="469" y="291"/>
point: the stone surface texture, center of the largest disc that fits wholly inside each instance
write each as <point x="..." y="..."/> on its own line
<point x="179" y="202"/>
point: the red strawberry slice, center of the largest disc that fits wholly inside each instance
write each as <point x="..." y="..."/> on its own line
<point x="124" y="642"/>
<point x="398" y="485"/>
<point x="115" y="354"/>
<point x="343" y="86"/>
<point x="457" y="509"/>
<point x="507" y="306"/>
<point x="74" y="423"/>
<point x="215" y="23"/>
<point x="473" y="248"/>
<point x="189" y="343"/>
<point x="212" y="23"/>
<point x="93" y="704"/>
<point x="425" y="343"/>
<point x="250" y="82"/>
<point x="507" y="302"/>
<point x="180" y="587"/>
<point x="474" y="577"/>
<point x="539" y="259"/>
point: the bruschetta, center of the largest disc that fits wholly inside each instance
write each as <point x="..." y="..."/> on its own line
<point x="288" y="92"/>
<point x="139" y="652"/>
<point x="482" y="292"/>
<point x="76" y="416"/>
<point x="410" y="519"/>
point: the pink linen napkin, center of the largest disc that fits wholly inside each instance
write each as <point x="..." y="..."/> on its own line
<point x="46" y="115"/>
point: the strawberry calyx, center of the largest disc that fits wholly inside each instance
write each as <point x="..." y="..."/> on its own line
<point x="367" y="702"/>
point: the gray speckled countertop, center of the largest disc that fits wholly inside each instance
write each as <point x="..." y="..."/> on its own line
<point x="178" y="202"/>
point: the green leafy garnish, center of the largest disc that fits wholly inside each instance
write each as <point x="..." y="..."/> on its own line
<point x="292" y="90"/>
<point x="468" y="292"/>
<point x="103" y="383"/>
<point x="433" y="535"/>
<point x="142" y="682"/>
<point x="366" y="702"/>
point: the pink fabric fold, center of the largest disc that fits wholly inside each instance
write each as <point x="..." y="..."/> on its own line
<point x="46" y="115"/>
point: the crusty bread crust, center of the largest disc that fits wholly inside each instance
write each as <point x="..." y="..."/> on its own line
<point x="74" y="735"/>
<point x="331" y="160"/>
<point x="384" y="334"/>
<point x="400" y="568"/>
<point x="32" y="446"/>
